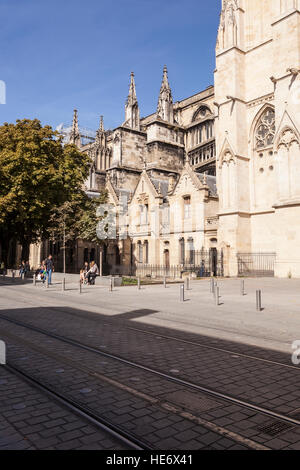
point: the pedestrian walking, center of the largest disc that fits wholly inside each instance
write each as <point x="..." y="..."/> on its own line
<point x="49" y="269"/>
<point x="22" y="269"/>
<point x="27" y="268"/>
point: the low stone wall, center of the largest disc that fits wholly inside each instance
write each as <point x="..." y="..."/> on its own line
<point x="71" y="278"/>
<point x="100" y="281"/>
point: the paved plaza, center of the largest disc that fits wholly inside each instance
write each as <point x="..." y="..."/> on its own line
<point x="236" y="319"/>
<point x="134" y="342"/>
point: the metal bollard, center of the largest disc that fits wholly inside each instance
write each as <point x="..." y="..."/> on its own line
<point x="182" y="293"/>
<point x="187" y="283"/>
<point x="2" y="353"/>
<point x="258" y="301"/>
<point x="212" y="285"/>
<point x="217" y="296"/>
<point x="80" y="287"/>
<point x="47" y="282"/>
<point x="139" y="283"/>
<point x="110" y="285"/>
<point x="113" y="282"/>
<point x="13" y="276"/>
<point x="242" y="288"/>
<point x="63" y="284"/>
<point x="34" y="280"/>
<point x="165" y="282"/>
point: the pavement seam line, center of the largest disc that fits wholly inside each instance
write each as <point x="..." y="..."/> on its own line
<point x="186" y="415"/>
<point x="214" y="348"/>
<point x="109" y="309"/>
<point x="177" y="380"/>
<point x="154" y="401"/>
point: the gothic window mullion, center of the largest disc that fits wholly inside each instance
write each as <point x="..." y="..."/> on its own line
<point x="264" y="136"/>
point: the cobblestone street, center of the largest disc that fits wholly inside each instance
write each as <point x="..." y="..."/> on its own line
<point x="162" y="373"/>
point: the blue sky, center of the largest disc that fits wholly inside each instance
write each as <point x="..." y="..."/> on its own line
<point x="57" y="55"/>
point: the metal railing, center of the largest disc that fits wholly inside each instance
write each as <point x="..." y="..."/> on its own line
<point x="203" y="263"/>
<point x="256" y="264"/>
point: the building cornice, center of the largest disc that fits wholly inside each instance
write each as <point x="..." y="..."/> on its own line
<point x="169" y="125"/>
<point x="128" y="129"/>
<point x="163" y="142"/>
<point x="124" y="168"/>
<point x="232" y="48"/>
<point x="284" y="204"/>
<point x="286" y="15"/>
<point x="239" y="213"/>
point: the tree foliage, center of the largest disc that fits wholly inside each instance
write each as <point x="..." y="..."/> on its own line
<point x="77" y="219"/>
<point x="37" y="175"/>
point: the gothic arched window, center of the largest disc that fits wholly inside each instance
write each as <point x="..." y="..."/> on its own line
<point x="191" y="249"/>
<point x="146" y="246"/>
<point x="265" y="130"/>
<point x="140" y="251"/>
<point x="201" y="113"/>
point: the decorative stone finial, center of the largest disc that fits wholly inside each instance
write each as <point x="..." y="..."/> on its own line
<point x="75" y="134"/>
<point x="165" y="100"/>
<point x="132" y="113"/>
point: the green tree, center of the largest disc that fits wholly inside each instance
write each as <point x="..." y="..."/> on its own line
<point x="76" y="219"/>
<point x="89" y="219"/>
<point x="37" y="174"/>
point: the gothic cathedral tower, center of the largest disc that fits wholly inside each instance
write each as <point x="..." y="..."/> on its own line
<point x="257" y="89"/>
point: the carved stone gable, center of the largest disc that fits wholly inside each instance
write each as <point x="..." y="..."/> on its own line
<point x="288" y="137"/>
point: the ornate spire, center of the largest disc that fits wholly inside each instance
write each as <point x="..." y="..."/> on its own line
<point x="75" y="134"/>
<point x="132" y="113"/>
<point x="101" y="126"/>
<point x="132" y="99"/>
<point x="165" y="101"/>
<point x="100" y="132"/>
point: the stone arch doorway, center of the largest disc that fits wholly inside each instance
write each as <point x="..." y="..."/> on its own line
<point x="117" y="256"/>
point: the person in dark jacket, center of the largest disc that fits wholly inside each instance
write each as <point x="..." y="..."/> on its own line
<point x="27" y="268"/>
<point x="49" y="268"/>
<point x="22" y="269"/>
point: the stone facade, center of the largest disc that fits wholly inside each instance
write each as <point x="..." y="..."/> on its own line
<point x="220" y="169"/>
<point x="162" y="168"/>
<point x="257" y="88"/>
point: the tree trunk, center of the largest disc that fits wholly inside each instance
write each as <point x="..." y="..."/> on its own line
<point x="25" y="251"/>
<point x="4" y="250"/>
<point x="64" y="250"/>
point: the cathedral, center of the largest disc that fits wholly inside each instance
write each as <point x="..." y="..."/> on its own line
<point x="257" y="128"/>
<point x="160" y="176"/>
<point x="209" y="184"/>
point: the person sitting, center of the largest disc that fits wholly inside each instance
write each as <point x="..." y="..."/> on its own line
<point x="92" y="273"/>
<point x="82" y="276"/>
<point x="85" y="271"/>
<point x="42" y="273"/>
